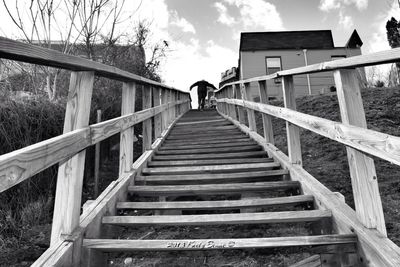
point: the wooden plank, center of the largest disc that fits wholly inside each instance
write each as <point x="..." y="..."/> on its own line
<point x="216" y="219"/>
<point x="211" y="156"/>
<point x="203" y="129"/>
<point x="267" y="120"/>
<point x="211" y="178"/>
<point x="364" y="181"/>
<point x="70" y="173"/>
<point x="213" y="136"/>
<point x="312" y="261"/>
<point x="208" y="122"/>
<point x="218" y="204"/>
<point x="147" y="190"/>
<point x="127" y="135"/>
<point x="246" y="93"/>
<point x="147" y="124"/>
<point x="209" y="150"/>
<point x="373" y="247"/>
<point x="113" y="245"/>
<point x="240" y="112"/>
<point x="207" y="162"/>
<point x="157" y="118"/>
<point x="292" y="131"/>
<point x="29" y="53"/>
<point x="217" y="141"/>
<point x="217" y="145"/>
<point x="211" y="168"/>
<point x="164" y="117"/>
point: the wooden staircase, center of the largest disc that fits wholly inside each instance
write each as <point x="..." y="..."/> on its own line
<point x="207" y="172"/>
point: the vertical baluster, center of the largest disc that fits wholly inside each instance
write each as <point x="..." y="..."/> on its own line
<point x="267" y="119"/>
<point x="232" y="108"/>
<point x="70" y="173"/>
<point x="293" y="131"/>
<point x="246" y="93"/>
<point x="164" y="115"/>
<point x="157" y="118"/>
<point x="362" y="168"/>
<point x="238" y="95"/>
<point x="147" y="126"/>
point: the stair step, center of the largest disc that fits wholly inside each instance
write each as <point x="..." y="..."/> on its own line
<point x="207" y="162"/>
<point x="148" y="190"/>
<point x="218" y="219"/>
<point x="211" y="178"/>
<point x="115" y="245"/>
<point x="211" y="156"/>
<point x="193" y="123"/>
<point x="203" y="129"/>
<point x="210" y="150"/>
<point x="211" y="168"/>
<point x="233" y="144"/>
<point x="236" y="135"/>
<point x="220" y="141"/>
<point x="217" y="205"/>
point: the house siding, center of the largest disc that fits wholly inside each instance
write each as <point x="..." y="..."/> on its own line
<point x="252" y="64"/>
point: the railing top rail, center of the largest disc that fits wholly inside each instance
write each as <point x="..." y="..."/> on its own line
<point x="14" y="50"/>
<point x="387" y="56"/>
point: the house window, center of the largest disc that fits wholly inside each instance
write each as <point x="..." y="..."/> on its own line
<point x="337" y="57"/>
<point x="273" y="64"/>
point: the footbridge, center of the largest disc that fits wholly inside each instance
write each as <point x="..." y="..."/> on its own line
<point x="201" y="168"/>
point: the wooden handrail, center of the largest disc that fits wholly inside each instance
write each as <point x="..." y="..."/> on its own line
<point x="377" y="58"/>
<point x="14" y="50"/>
<point x="381" y="145"/>
<point x="21" y="164"/>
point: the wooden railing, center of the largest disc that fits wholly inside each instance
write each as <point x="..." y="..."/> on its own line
<point x="235" y="98"/>
<point x="161" y="103"/>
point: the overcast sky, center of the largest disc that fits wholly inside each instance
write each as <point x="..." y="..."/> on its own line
<point x="203" y="35"/>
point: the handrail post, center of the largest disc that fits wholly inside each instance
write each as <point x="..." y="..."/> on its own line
<point x="67" y="205"/>
<point x="362" y="168"/>
<point x="267" y="119"/>
<point x="157" y="118"/>
<point x="293" y="131"/>
<point x="127" y="136"/>
<point x="147" y="126"/>
<point x="232" y="108"/>
<point x="238" y="95"/>
<point x="164" y="114"/>
<point x="246" y="93"/>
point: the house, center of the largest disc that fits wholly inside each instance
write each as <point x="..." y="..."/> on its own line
<point x="263" y="53"/>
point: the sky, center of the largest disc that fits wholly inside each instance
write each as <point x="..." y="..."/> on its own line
<point x="203" y="35"/>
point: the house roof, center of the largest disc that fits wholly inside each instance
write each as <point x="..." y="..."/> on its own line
<point x="354" y="40"/>
<point x="253" y="41"/>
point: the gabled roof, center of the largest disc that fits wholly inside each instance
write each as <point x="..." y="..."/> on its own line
<point x="354" y="40"/>
<point x="253" y="41"/>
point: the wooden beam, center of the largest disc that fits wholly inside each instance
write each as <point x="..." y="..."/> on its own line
<point x="70" y="174"/>
<point x="157" y="118"/>
<point x="29" y="53"/>
<point x="238" y="95"/>
<point x="362" y="168"/>
<point x="267" y="120"/>
<point x="251" y="118"/>
<point x="211" y="156"/>
<point x="217" y="204"/>
<point x="213" y="219"/>
<point x="127" y="135"/>
<point x="147" y="124"/>
<point x="375" y="249"/>
<point x="109" y="245"/>
<point x="292" y="131"/>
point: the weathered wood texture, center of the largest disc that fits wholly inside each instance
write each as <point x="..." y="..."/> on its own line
<point x="70" y="173"/>
<point x="29" y="53"/>
<point x="127" y="135"/>
<point x="147" y="124"/>
<point x="292" y="131"/>
<point x="362" y="168"/>
<point x="267" y="120"/>
<point x="157" y="118"/>
<point x="251" y="117"/>
<point x="374" y="248"/>
<point x="205" y="244"/>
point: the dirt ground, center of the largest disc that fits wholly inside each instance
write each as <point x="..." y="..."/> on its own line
<point x="323" y="158"/>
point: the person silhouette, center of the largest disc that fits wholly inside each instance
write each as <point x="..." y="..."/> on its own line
<point x="202" y="91"/>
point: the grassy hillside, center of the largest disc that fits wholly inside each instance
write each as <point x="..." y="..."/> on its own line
<point x="326" y="159"/>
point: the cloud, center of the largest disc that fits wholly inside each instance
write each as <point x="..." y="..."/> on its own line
<point x="257" y="14"/>
<point x="346" y="21"/>
<point x="224" y="17"/>
<point x="329" y="5"/>
<point x="182" y="23"/>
